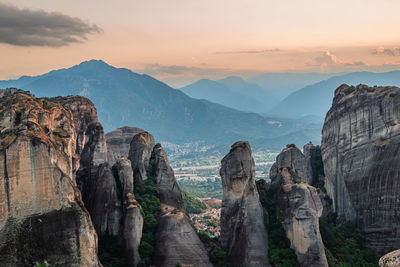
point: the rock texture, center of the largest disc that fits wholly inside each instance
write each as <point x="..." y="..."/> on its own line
<point x="360" y="149"/>
<point x="391" y="259"/>
<point x="108" y="194"/>
<point x="132" y="221"/>
<point x="299" y="207"/>
<point x="140" y="151"/>
<point x="243" y="234"/>
<point x="42" y="216"/>
<point x="176" y="238"/>
<point x="118" y="142"/>
<point x="84" y="113"/>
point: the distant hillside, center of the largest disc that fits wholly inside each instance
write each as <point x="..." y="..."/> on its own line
<point x="279" y="85"/>
<point x="316" y="99"/>
<point x="232" y="92"/>
<point x="123" y="97"/>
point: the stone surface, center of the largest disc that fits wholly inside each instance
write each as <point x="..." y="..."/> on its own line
<point x="118" y="142"/>
<point x="299" y="207"/>
<point x="132" y="222"/>
<point x="176" y="238"/>
<point x="140" y="151"/>
<point x="243" y="233"/>
<point x="360" y="149"/>
<point x="84" y="113"/>
<point x="391" y="259"/>
<point x="42" y="216"/>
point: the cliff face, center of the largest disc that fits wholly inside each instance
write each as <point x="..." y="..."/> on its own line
<point x="243" y="234"/>
<point x="84" y="113"/>
<point x="360" y="149"/>
<point x="299" y="207"/>
<point x="42" y="217"/>
<point x="108" y="195"/>
<point x="391" y="259"/>
<point x="176" y="239"/>
<point x="140" y="151"/>
<point x="118" y="142"/>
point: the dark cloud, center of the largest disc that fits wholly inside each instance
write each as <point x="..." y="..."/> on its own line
<point x="249" y="51"/>
<point x="386" y="51"/>
<point x="25" y="27"/>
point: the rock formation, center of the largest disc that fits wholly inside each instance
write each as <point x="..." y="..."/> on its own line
<point x="42" y="216"/>
<point x="391" y="259"/>
<point x="177" y="241"/>
<point x="118" y="142"/>
<point x="243" y="233"/>
<point x="139" y="154"/>
<point x="108" y="196"/>
<point x="132" y="224"/>
<point x="84" y="113"/>
<point x="360" y="149"/>
<point x="299" y="206"/>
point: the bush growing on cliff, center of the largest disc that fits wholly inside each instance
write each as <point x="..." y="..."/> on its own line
<point x="192" y="204"/>
<point x="217" y="255"/>
<point x="345" y="247"/>
<point x="111" y="253"/>
<point x="147" y="195"/>
<point x="279" y="251"/>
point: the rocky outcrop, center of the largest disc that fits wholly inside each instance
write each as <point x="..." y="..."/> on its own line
<point x="360" y="150"/>
<point x="243" y="233"/>
<point x="84" y="113"/>
<point x="176" y="238"/>
<point x="42" y="216"/>
<point x="132" y="222"/>
<point x="140" y="151"/>
<point x="118" y="142"/>
<point x="108" y="194"/>
<point x="391" y="259"/>
<point x="299" y="207"/>
<point x="93" y="155"/>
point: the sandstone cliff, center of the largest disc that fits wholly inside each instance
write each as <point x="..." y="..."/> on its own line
<point x="108" y="195"/>
<point x="360" y="144"/>
<point x="391" y="259"/>
<point x="118" y="142"/>
<point x="176" y="242"/>
<point x="243" y="234"/>
<point x="140" y="151"/>
<point x="299" y="206"/>
<point x="42" y="216"/>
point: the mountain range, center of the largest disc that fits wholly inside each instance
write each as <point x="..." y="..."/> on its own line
<point x="123" y="97"/>
<point x="316" y="99"/>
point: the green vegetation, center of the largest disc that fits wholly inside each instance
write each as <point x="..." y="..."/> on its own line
<point x="345" y="247"/>
<point x="279" y="251"/>
<point x="42" y="265"/>
<point x="148" y="197"/>
<point x="217" y="255"/>
<point x="192" y="204"/>
<point x="111" y="254"/>
<point x="203" y="189"/>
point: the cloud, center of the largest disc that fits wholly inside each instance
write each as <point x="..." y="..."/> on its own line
<point x="249" y="51"/>
<point x="25" y="27"/>
<point x="386" y="51"/>
<point x="328" y="61"/>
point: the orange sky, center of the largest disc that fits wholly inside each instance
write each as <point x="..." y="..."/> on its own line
<point x="177" y="40"/>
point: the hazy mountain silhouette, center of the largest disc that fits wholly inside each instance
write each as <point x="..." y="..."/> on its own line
<point x="123" y="97"/>
<point x="316" y="99"/>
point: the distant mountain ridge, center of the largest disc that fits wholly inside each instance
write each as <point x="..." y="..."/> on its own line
<point x="232" y="92"/>
<point x="123" y="97"/>
<point x="316" y="99"/>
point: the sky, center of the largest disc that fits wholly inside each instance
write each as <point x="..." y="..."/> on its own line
<point x="180" y="41"/>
